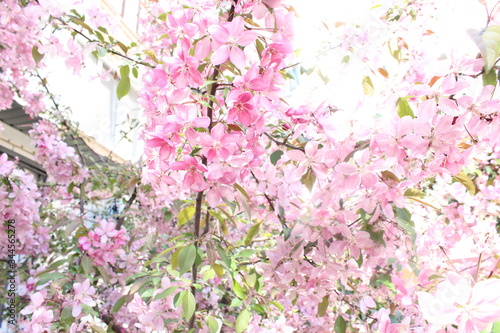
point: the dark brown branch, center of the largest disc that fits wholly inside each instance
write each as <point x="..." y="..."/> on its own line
<point x="199" y="198"/>
<point x="271" y="205"/>
<point x="108" y="50"/>
<point x="207" y="224"/>
<point x="129" y="203"/>
<point x="284" y="144"/>
<point x="108" y="319"/>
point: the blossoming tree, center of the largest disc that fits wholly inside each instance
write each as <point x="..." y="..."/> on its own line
<point x="250" y="214"/>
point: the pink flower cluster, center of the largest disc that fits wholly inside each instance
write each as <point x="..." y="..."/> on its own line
<point x="20" y="203"/>
<point x="19" y="34"/>
<point x="104" y="243"/>
<point x="58" y="159"/>
<point x="41" y="317"/>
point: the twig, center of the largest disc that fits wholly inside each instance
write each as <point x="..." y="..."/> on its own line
<point x="283" y="143"/>
<point x="108" y="50"/>
<point x="129" y="203"/>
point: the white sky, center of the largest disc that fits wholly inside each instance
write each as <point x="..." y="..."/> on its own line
<point x="455" y="17"/>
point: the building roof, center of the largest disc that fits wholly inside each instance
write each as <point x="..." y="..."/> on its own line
<point x="15" y="141"/>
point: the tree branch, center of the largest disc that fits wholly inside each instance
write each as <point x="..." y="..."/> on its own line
<point x="283" y="143"/>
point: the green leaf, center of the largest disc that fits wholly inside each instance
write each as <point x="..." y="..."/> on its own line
<point x="188" y="304"/>
<point x="223" y="256"/>
<point x="118" y="304"/>
<point x="275" y="156"/>
<point x="404" y="108"/>
<point x="259" y="309"/>
<point x="78" y="21"/>
<point x="219" y="270"/>
<point x="66" y="318"/>
<point x="71" y="186"/>
<point x="251" y="279"/>
<point x="89" y="310"/>
<point x="148" y="293"/>
<point x="124" y="71"/>
<point x="187" y="256"/>
<point x="322" y="76"/>
<point x="368" y="88"/>
<point x="37" y="56"/>
<point x="44" y="278"/>
<point x="260" y="47"/>
<point x="97" y="329"/>
<point x="178" y="298"/>
<point x="185" y="215"/>
<point x="160" y="257"/>
<point x="323" y="306"/>
<point x="137" y="285"/>
<point x="389" y="175"/>
<point x="125" y="50"/>
<point x="57" y="263"/>
<point x="252" y="232"/>
<point x="165" y="293"/>
<point x="435" y="276"/>
<point x="340" y="325"/>
<point x="360" y="260"/>
<point x="308" y="179"/>
<point x="242" y="321"/>
<point x="135" y="72"/>
<point x="277" y="305"/>
<point x="124" y="85"/>
<point x="404" y="215"/>
<point x="104" y="273"/>
<point x="238" y="290"/>
<point x="99" y="36"/>
<point x="466" y="181"/>
<point x="411" y="192"/>
<point x="212" y="324"/>
<point x="490" y="78"/>
<point x="87" y="264"/>
<point x="242" y="191"/>
<point x="496" y="327"/>
<point x="123" y="88"/>
<point x="488" y="42"/>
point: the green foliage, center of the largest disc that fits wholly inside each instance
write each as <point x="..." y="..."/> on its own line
<point x="188" y="304"/>
<point x="323" y="306"/>
<point x="275" y="156"/>
<point x="252" y="232"/>
<point x="490" y="78"/>
<point x="124" y="85"/>
<point x="186" y="257"/>
<point x="308" y="179"/>
<point x="488" y="42"/>
<point x="466" y="181"/>
<point x="340" y="325"/>
<point x="368" y="87"/>
<point x="242" y="321"/>
<point x="404" y="108"/>
<point x="185" y="215"/>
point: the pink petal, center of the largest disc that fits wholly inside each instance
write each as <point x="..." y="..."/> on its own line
<point x="237" y="57"/>
<point x="179" y="165"/>
<point x="220" y="55"/>
<point x="346" y="168"/>
<point x="247" y="38"/>
<point x="219" y="33"/>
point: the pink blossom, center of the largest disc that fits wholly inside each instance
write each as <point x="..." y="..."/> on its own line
<point x="472" y="308"/>
<point x="242" y="108"/>
<point x="194" y="176"/>
<point x="83" y="295"/>
<point x="184" y="70"/>
<point x="229" y="37"/>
